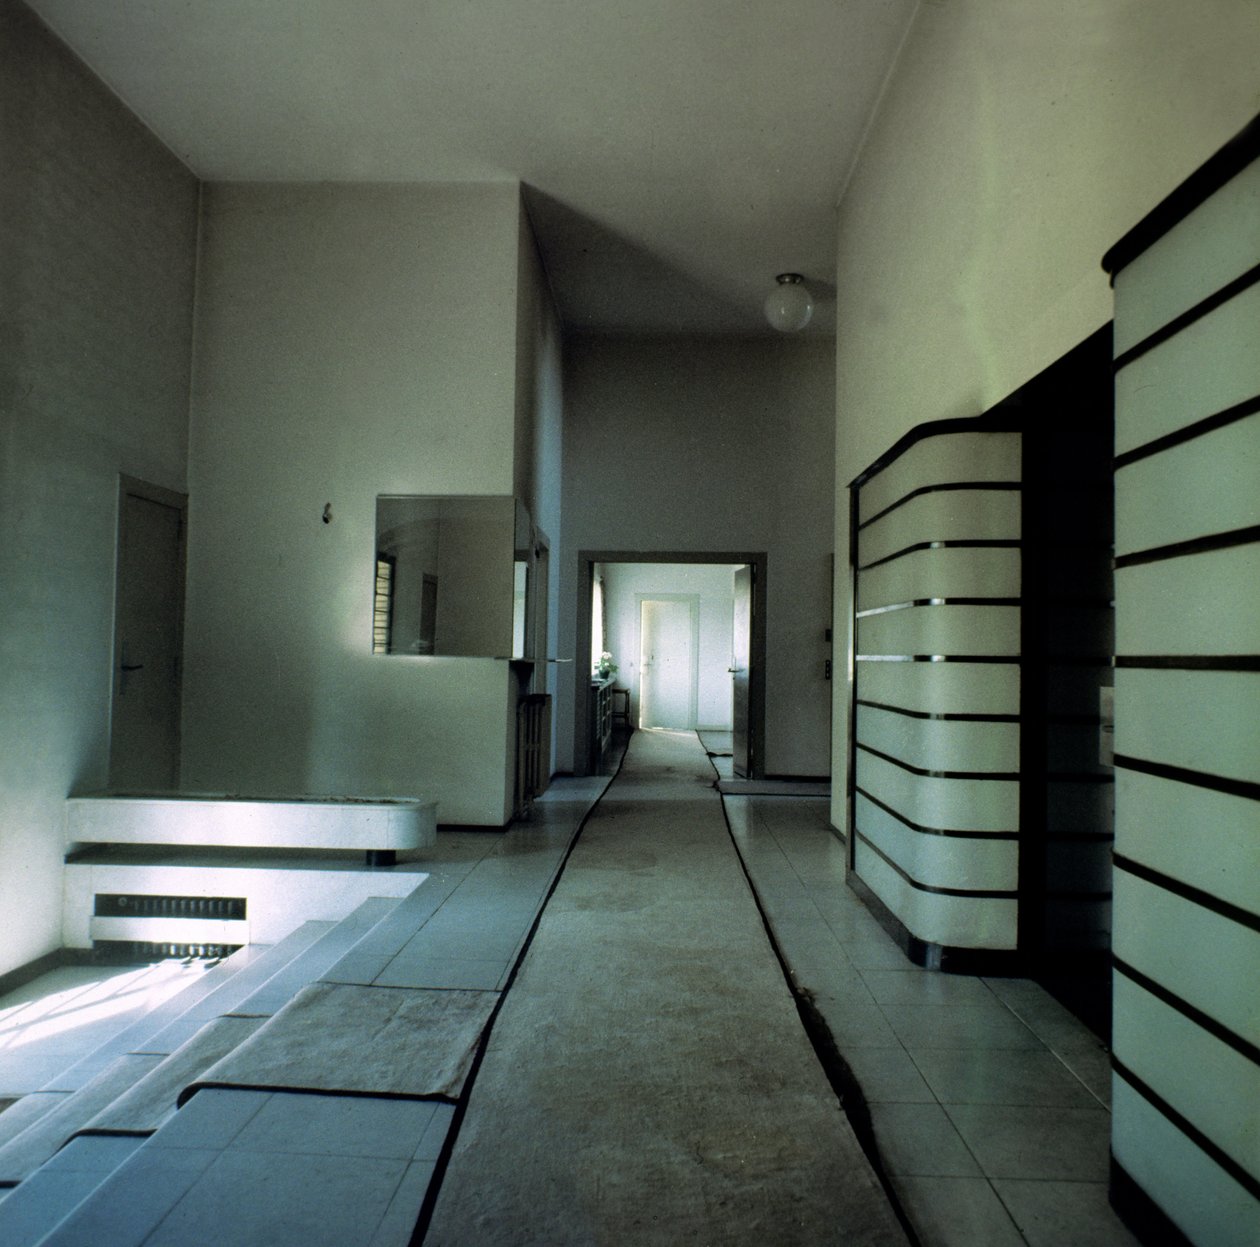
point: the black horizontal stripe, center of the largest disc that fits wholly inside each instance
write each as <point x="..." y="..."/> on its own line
<point x="994" y="422"/>
<point x="926" y="774"/>
<point x="1184" y="775"/>
<point x="971" y="893"/>
<point x="978" y="543"/>
<point x="903" y="606"/>
<point x="945" y="487"/>
<point x="1196" y="545"/>
<point x="1200" y="186"/>
<point x="1218" y="298"/>
<point x="1078" y="837"/>
<point x="1189" y="1129"/>
<point x="1203" y="1020"/>
<point x="1200" y="428"/>
<point x="945" y="718"/>
<point x="1197" y="896"/>
<point x="989" y="658"/>
<point x="948" y="833"/>
<point x="1189" y="662"/>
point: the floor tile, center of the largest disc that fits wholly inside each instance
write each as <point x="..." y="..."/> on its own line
<point x="42" y="1201"/>
<point x="283" y="1200"/>
<point x="1050" y="1214"/>
<point x="1001" y="1076"/>
<point x="958" y="1212"/>
<point x="891" y="987"/>
<point x="1071" y="1144"/>
<point x="920" y="1140"/>
<point x="211" y="1119"/>
<point x="434" y="1137"/>
<point x="958" y="1026"/>
<point x="856" y="1025"/>
<point x="336" y="1125"/>
<point x="888" y="1075"/>
<point x="404" y="1208"/>
<point x="93" y="1154"/>
<point x="124" y="1211"/>
<point x="875" y="952"/>
<point x="444" y="974"/>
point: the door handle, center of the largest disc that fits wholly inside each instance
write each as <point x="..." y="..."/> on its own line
<point x="132" y="666"/>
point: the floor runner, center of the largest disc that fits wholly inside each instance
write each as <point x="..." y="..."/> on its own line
<point x="648" y="1079"/>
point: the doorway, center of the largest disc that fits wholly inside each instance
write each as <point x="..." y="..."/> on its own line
<point x="148" y="638"/>
<point x="669" y="645"/>
<point x="720" y="690"/>
<point x="1068" y="643"/>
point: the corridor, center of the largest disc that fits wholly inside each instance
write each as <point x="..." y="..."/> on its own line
<point x="678" y="1032"/>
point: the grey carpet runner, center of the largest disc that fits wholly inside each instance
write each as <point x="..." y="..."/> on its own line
<point x="648" y="1079"/>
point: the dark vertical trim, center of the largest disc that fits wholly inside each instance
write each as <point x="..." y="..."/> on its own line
<point x="851" y="778"/>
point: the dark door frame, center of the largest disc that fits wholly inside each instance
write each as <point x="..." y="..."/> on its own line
<point x="757" y="678"/>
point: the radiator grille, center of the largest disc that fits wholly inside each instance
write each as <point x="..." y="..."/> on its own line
<point x="117" y="905"/>
<point x="130" y="951"/>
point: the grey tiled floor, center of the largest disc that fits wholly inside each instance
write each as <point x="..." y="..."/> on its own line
<point x="237" y="1166"/>
<point x="989" y="1101"/>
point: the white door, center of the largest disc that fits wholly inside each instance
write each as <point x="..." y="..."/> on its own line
<point x="742" y="743"/>
<point x="667" y="663"/>
<point x="144" y="730"/>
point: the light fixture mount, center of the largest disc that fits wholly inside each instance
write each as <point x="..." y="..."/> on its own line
<point x="789" y="305"/>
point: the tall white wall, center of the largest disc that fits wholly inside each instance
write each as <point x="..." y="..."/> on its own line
<point x="97" y="245"/>
<point x="352" y="340"/>
<point x="625" y="584"/>
<point x="705" y="444"/>
<point x="1016" y="142"/>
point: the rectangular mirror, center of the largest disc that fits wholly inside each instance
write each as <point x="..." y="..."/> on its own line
<point x="451" y="576"/>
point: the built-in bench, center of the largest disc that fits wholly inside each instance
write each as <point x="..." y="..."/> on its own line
<point x="381" y="828"/>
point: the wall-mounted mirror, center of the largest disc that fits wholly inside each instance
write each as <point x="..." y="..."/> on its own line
<point x="451" y="576"/>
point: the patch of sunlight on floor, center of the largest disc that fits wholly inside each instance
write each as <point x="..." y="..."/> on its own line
<point x="52" y="1008"/>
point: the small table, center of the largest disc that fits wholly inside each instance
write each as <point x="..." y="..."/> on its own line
<point x="624" y="713"/>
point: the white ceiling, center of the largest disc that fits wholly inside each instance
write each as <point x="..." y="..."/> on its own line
<point x="678" y="153"/>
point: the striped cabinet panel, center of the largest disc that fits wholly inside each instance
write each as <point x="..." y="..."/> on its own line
<point x="1186" y="933"/>
<point x="936" y="741"/>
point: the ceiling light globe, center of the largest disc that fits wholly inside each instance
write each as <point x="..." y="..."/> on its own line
<point x="789" y="305"/>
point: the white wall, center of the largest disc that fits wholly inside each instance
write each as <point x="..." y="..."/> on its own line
<point x="97" y="244"/>
<point x="352" y="340"/>
<point x="704" y="444"/>
<point x="1016" y="142"/>
<point x="625" y="584"/>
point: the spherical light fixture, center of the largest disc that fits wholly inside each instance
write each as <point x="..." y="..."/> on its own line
<point x="789" y="305"/>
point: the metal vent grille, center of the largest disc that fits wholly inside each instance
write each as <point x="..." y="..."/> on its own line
<point x="129" y="951"/>
<point x="116" y="905"/>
